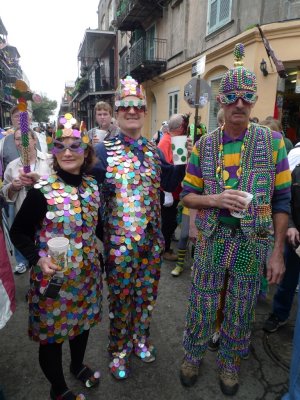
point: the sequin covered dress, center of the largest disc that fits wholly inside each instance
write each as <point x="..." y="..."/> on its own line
<point x="65" y="207"/>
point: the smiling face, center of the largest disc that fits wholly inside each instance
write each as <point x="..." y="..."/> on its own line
<point x="71" y="158"/>
<point x="131" y="119"/>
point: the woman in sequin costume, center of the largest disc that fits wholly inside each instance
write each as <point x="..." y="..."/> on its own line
<point x="65" y="204"/>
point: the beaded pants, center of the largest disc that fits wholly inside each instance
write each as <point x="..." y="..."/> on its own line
<point x="132" y="285"/>
<point x="227" y="250"/>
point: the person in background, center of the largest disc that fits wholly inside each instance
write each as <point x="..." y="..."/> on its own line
<point x="276" y="126"/>
<point x="7" y="290"/>
<point x="13" y="191"/>
<point x="105" y="123"/>
<point x="160" y="133"/>
<point x="237" y="158"/>
<point x="42" y="138"/>
<point x="177" y="125"/>
<point x="284" y="296"/>
<point x="64" y="301"/>
<point x="132" y="237"/>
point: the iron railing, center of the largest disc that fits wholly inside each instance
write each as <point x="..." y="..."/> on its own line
<point x="147" y="51"/>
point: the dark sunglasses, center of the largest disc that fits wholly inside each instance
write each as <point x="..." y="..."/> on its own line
<point x="76" y="146"/>
<point x="230" y="98"/>
<point x="136" y="108"/>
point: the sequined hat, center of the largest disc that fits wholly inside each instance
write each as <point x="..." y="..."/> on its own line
<point x="130" y="87"/>
<point x="68" y="130"/>
<point x="238" y="78"/>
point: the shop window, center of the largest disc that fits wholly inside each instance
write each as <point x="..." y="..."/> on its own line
<point x="173" y="103"/>
<point x="219" y="14"/>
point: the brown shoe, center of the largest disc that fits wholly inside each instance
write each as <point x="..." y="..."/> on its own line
<point x="169" y="256"/>
<point x="188" y="373"/>
<point x="229" y="382"/>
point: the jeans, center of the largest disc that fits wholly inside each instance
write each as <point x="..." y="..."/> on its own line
<point x="20" y="258"/>
<point x="284" y="296"/>
<point x="294" y="385"/>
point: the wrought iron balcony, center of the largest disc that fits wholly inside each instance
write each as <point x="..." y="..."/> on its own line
<point x="145" y="59"/>
<point x="132" y="13"/>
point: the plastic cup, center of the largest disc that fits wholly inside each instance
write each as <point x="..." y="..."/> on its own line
<point x="58" y="249"/>
<point x="242" y="213"/>
<point x="99" y="134"/>
<point x="179" y="149"/>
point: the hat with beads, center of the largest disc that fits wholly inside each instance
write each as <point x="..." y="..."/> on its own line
<point x="68" y="129"/>
<point x="130" y="87"/>
<point x="238" y="78"/>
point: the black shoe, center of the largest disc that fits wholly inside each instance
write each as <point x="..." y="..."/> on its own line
<point x="273" y="323"/>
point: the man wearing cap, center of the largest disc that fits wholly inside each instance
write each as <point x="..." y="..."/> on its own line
<point x="238" y="157"/>
<point x="131" y="170"/>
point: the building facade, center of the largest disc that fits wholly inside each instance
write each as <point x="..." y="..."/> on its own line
<point x="158" y="41"/>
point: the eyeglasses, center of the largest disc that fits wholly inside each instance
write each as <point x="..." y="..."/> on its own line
<point x="76" y="146"/>
<point x="230" y="98"/>
<point x="127" y="109"/>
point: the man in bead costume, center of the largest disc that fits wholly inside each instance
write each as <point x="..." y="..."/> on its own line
<point x="236" y="158"/>
<point x="131" y="170"/>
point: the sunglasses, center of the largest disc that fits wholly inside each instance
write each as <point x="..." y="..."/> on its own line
<point x="136" y="108"/>
<point x="76" y="146"/>
<point x="230" y="98"/>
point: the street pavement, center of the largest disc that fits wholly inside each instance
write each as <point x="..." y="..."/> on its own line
<point x="264" y="376"/>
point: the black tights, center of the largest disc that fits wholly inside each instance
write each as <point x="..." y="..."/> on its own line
<point x="50" y="358"/>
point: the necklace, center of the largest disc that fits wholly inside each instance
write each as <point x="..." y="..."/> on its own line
<point x="222" y="174"/>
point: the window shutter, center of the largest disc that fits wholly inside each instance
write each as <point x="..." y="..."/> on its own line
<point x="213" y="14"/>
<point x="224" y="14"/>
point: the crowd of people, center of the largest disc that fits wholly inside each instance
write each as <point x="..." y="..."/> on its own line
<point x="232" y="198"/>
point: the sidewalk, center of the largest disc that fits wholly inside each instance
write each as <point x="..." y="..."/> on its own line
<point x="263" y="377"/>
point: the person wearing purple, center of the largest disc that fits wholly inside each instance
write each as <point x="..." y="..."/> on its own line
<point x="237" y="159"/>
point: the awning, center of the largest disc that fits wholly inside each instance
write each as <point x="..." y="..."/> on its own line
<point x="95" y="43"/>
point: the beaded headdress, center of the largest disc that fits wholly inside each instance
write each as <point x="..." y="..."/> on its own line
<point x="130" y="87"/>
<point x="68" y="130"/>
<point x="238" y="78"/>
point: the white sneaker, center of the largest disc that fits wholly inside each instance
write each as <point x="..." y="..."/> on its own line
<point x="20" y="268"/>
<point x="177" y="271"/>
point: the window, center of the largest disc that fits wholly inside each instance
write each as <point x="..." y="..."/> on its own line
<point x="213" y="105"/>
<point x="110" y="13"/>
<point x="103" y="27"/>
<point x="150" y="43"/>
<point x="173" y="102"/>
<point x="219" y="14"/>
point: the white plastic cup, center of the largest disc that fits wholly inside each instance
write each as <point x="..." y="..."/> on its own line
<point x="179" y="149"/>
<point x="58" y="249"/>
<point x="242" y="213"/>
<point x="99" y="134"/>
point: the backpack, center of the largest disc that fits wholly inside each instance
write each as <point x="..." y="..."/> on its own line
<point x="295" y="202"/>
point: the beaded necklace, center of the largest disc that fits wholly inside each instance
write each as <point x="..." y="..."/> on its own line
<point x="221" y="174"/>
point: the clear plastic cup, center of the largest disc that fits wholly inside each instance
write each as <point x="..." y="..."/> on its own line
<point x="242" y="213"/>
<point x="58" y="250"/>
<point x="179" y="149"/>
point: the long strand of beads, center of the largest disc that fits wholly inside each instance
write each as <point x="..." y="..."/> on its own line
<point x="24" y="126"/>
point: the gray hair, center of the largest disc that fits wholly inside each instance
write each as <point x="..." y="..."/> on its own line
<point x="175" y="122"/>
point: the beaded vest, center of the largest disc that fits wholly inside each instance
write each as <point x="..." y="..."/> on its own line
<point x="258" y="178"/>
<point x="71" y="212"/>
<point x="131" y="191"/>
